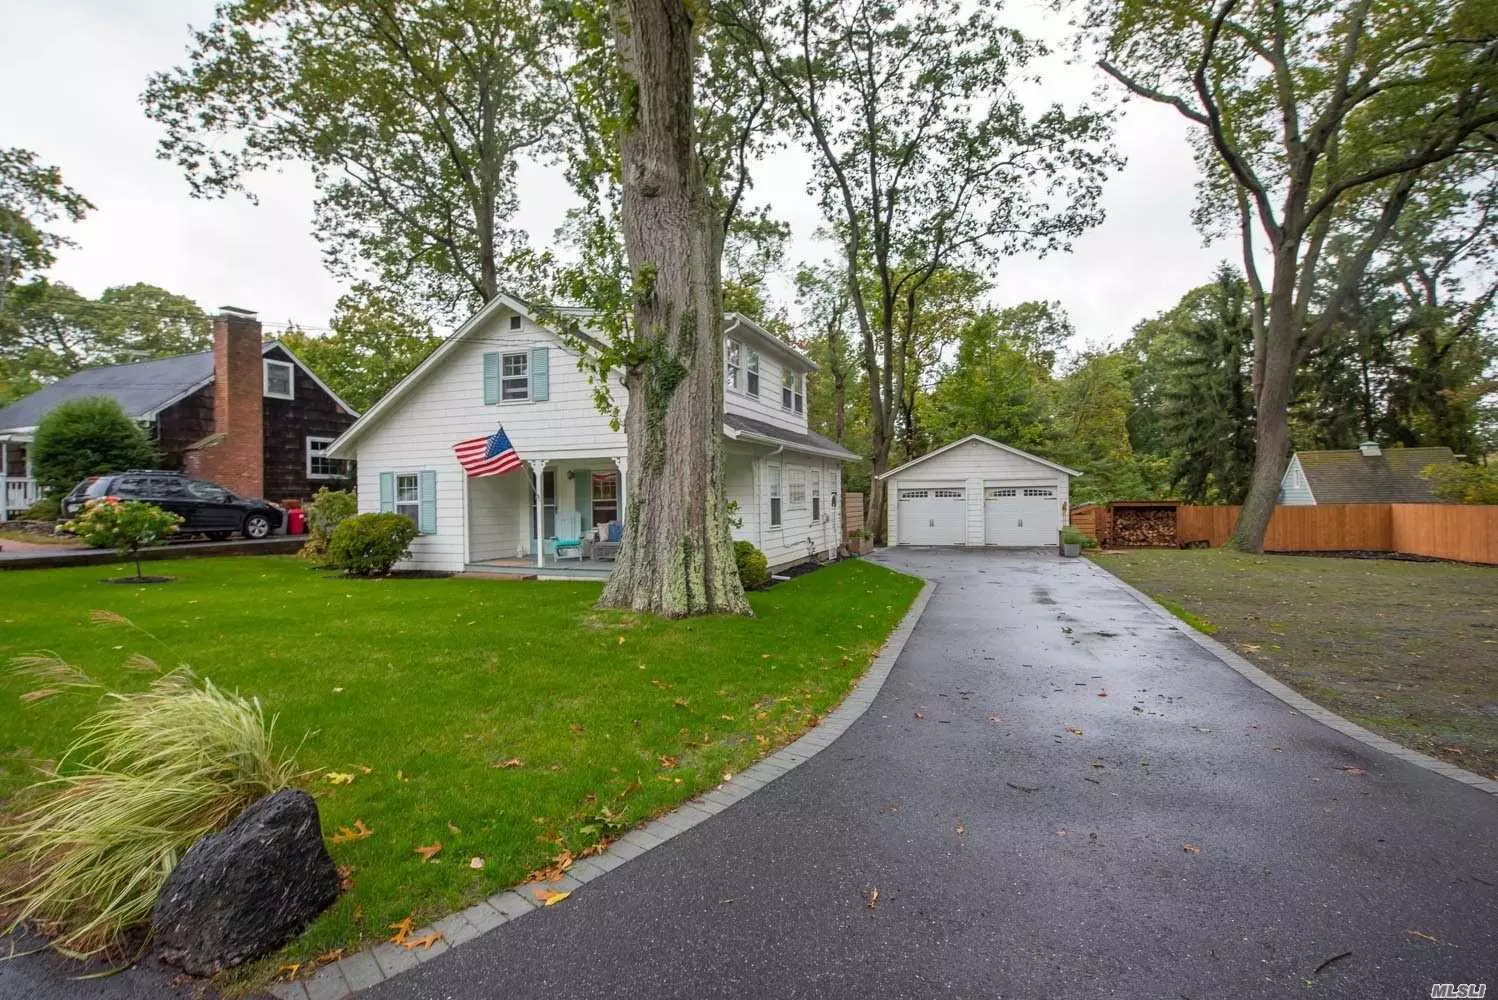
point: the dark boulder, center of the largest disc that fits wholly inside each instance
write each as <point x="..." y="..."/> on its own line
<point x="242" y="893"/>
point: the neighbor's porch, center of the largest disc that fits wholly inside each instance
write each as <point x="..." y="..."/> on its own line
<point x="515" y="529"/>
<point x="20" y="490"/>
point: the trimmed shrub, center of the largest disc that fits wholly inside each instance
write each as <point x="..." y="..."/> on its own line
<point x="87" y="437"/>
<point x="45" y="509"/>
<point x="369" y="544"/>
<point x="328" y="509"/>
<point x="127" y="526"/>
<point x="1073" y="536"/>
<point x="754" y="569"/>
<point x="150" y="774"/>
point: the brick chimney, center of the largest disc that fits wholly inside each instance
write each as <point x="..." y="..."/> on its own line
<point x="234" y="454"/>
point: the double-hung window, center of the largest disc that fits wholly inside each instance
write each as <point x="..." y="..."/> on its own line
<point x="515" y="377"/>
<point x="795" y="478"/>
<point x="816" y="495"/>
<point x="752" y="380"/>
<point x="774" y="494"/>
<point x="605" y="497"/>
<point x="280" y="382"/>
<point x="732" y="351"/>
<point x="792" y="391"/>
<point x="408" y="497"/>
<point x="319" y="465"/>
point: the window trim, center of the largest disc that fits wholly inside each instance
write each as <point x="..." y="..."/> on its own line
<point x="815" y="491"/>
<point x="777" y="504"/>
<point x="794" y="384"/>
<point x="732" y="364"/>
<point x="751" y="377"/>
<point x="503" y="378"/>
<point x="415" y="504"/>
<point x="325" y="441"/>
<point x="265" y="389"/>
<point x="517" y="322"/>
<point x="795" y="477"/>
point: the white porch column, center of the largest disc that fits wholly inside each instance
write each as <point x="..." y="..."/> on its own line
<point x="622" y="464"/>
<point x="538" y="469"/>
<point x="4" y="480"/>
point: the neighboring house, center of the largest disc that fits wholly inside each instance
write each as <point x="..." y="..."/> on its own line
<point x="247" y="415"/>
<point x="1365" y="474"/>
<point x="503" y="367"/>
<point x="977" y="492"/>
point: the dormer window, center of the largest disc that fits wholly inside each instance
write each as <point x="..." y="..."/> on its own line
<point x="752" y="380"/>
<point x="732" y="354"/>
<point x="792" y="391"/>
<point x="280" y="382"/>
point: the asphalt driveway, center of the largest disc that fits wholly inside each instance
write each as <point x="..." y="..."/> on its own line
<point x="1056" y="794"/>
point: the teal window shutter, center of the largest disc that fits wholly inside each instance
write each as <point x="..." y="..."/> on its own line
<point x="491" y="378"/>
<point x="387" y="492"/>
<point x="540" y="375"/>
<point x="427" y="521"/>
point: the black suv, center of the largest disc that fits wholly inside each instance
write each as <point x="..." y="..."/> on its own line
<point x="205" y="508"/>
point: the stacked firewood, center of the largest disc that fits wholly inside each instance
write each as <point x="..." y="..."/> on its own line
<point x="1144" y="527"/>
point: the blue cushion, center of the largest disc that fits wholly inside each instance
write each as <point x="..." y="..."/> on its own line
<point x="616" y="531"/>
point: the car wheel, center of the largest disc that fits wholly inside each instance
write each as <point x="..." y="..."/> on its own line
<point x="217" y="536"/>
<point x="256" y="526"/>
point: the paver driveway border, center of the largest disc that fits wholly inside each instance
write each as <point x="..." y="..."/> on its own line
<point x="1299" y="702"/>
<point x="360" y="971"/>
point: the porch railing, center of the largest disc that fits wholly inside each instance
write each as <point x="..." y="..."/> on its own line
<point x="20" y="494"/>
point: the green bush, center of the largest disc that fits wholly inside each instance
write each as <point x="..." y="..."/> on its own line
<point x="1073" y="536"/>
<point x="150" y="774"/>
<point x="87" y="437"/>
<point x="1462" y="482"/>
<point x="46" y="509"/>
<point x="754" y="569"/>
<point x="127" y="526"/>
<point x="328" y="509"/>
<point x="369" y="544"/>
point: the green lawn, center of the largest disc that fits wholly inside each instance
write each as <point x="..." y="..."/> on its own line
<point x="421" y="688"/>
<point x="1407" y="649"/>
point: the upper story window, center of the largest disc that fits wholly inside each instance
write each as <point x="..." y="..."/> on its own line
<point x="515" y="376"/>
<point x="732" y="357"/>
<point x="516" y="322"/>
<point x="752" y="382"/>
<point x="280" y="381"/>
<point x="792" y="391"/>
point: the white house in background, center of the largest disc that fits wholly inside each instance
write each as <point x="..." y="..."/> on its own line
<point x="978" y="492"/>
<point x="503" y="367"/>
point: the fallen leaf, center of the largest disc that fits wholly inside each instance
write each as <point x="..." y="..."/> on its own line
<point x="430" y="851"/>
<point x="452" y="828"/>
<point x="1074" y="730"/>
<point x="289" y="971"/>
<point x="1422" y="935"/>
<point x="1455" y="750"/>
<point x="872" y="898"/>
<point x="476" y="863"/>
<point x="621" y="640"/>
<point x="1191" y="849"/>
<point x="347" y="833"/>
<point x="511" y="762"/>
<point x="402" y="931"/>
<point x="328" y="957"/>
<point x="365" y="768"/>
<point x="961" y="830"/>
<point x="680" y="702"/>
<point x="549" y="897"/>
<point x="1250" y="647"/>
<point x="345" y="878"/>
<point x="919" y="715"/>
<point x="425" y="941"/>
<point x="995" y="719"/>
<point x="576" y="730"/>
<point x="1102" y="694"/>
<point x="1349" y="769"/>
<point x="339" y="778"/>
<point x="726" y="718"/>
<point x="1335" y="958"/>
<point x="1098" y="763"/>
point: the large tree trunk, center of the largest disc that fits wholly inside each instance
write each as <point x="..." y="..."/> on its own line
<point x="677" y="555"/>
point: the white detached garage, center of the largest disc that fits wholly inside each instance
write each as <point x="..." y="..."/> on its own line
<point x="978" y="492"/>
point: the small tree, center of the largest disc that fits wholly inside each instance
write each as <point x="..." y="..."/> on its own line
<point x="127" y="526"/>
<point x="328" y="509"/>
<point x="1460" y="482"/>
<point x="86" y="437"/>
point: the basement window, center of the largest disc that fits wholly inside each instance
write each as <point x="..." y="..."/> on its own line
<point x="280" y="382"/>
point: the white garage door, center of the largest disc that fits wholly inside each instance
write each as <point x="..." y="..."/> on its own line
<point x="1018" y="516"/>
<point x="933" y="516"/>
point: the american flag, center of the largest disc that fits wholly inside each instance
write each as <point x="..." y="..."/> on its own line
<point x="487" y="456"/>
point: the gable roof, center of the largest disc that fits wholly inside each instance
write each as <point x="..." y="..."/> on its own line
<point x="988" y="441"/>
<point x="142" y="388"/>
<point x="1349" y="476"/>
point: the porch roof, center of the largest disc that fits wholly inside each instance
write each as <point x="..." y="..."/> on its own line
<point x="738" y="427"/>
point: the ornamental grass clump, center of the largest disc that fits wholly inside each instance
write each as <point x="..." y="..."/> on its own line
<point x="149" y="775"/>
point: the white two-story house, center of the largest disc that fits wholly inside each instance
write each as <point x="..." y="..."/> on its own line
<point x="503" y="367"/>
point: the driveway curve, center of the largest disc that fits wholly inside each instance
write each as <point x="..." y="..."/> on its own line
<point x="1056" y="793"/>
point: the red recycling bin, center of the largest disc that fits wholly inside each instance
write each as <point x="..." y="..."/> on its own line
<point x="296" y="522"/>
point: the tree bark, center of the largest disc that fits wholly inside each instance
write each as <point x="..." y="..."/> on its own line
<point x="677" y="554"/>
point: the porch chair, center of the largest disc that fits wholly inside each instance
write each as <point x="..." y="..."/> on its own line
<point x="569" y="541"/>
<point x="607" y="548"/>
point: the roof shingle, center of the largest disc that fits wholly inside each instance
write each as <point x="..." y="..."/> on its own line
<point x="1349" y="476"/>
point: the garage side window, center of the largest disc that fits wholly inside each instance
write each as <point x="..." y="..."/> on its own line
<point x="774" y="494"/>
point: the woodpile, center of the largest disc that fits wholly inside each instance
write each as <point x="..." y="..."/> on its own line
<point x="1143" y="527"/>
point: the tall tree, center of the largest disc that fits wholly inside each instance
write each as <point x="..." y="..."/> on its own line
<point x="677" y="558"/>
<point x="1303" y="110"/>
<point x="994" y="386"/>
<point x="926" y="160"/>
<point x="32" y="196"/>
<point x="411" y="116"/>
<point x="373" y="344"/>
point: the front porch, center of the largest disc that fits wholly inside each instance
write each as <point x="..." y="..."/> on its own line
<point x="20" y="490"/>
<point x="554" y="568"/>
<point x="513" y="528"/>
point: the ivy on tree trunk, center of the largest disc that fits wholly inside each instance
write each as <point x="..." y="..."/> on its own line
<point x="677" y="554"/>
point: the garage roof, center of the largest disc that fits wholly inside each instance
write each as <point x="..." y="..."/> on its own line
<point x="988" y="441"/>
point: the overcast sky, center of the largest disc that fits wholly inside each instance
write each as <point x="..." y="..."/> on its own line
<point x="75" y="70"/>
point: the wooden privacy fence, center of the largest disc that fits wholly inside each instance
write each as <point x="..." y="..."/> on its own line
<point x="852" y="513"/>
<point x="1445" y="531"/>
